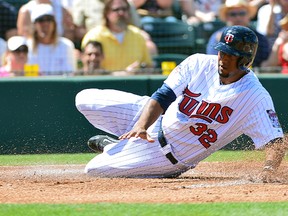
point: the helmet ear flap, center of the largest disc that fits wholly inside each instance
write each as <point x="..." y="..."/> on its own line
<point x="244" y="63"/>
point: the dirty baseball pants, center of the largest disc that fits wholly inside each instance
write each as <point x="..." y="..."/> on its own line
<point x="116" y="112"/>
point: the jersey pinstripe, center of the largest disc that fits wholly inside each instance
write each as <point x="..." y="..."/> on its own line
<point x="207" y="115"/>
<point x="204" y="117"/>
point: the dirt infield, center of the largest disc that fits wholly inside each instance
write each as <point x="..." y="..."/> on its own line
<point x="209" y="182"/>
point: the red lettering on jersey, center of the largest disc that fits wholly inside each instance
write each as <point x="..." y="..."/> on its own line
<point x="206" y="111"/>
<point x="201" y="117"/>
<point x="190" y="94"/>
<point x="224" y="115"/>
<point x="212" y="110"/>
<point x="202" y="107"/>
<point x="188" y="105"/>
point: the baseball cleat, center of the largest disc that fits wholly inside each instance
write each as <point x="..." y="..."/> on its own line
<point x="98" y="142"/>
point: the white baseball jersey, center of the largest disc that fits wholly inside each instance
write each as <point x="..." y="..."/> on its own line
<point x="205" y="117"/>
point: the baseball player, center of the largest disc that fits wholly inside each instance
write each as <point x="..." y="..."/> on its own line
<point x="204" y="104"/>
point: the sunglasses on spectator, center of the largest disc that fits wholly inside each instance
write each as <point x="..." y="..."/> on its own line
<point x="234" y="13"/>
<point x="124" y="9"/>
<point x="21" y="49"/>
<point x="45" y="19"/>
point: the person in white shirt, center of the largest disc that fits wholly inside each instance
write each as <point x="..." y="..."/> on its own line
<point x="53" y="54"/>
<point x="3" y="46"/>
<point x="63" y="17"/>
<point x="268" y="18"/>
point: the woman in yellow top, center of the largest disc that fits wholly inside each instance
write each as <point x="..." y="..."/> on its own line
<point x="125" y="47"/>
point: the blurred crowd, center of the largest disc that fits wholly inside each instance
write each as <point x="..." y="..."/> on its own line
<point x="98" y="37"/>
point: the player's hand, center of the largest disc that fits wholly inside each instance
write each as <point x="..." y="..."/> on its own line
<point x="138" y="133"/>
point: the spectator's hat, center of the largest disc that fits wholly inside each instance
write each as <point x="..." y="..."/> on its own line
<point x="230" y="4"/>
<point x="41" y="10"/>
<point x="15" y="42"/>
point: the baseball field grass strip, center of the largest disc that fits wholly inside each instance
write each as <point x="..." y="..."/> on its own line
<point x="107" y="209"/>
<point x="83" y="158"/>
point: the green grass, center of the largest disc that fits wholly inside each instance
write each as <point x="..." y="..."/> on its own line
<point x="52" y="159"/>
<point x="103" y="209"/>
<point x="44" y="159"/>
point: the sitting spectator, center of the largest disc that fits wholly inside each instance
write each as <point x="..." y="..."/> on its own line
<point x="8" y="19"/>
<point x="155" y="9"/>
<point x="207" y="10"/>
<point x="87" y="14"/>
<point x="257" y="4"/>
<point x="92" y="58"/>
<point x="268" y="19"/>
<point x="278" y="58"/>
<point x="68" y="4"/>
<point x="124" y="45"/>
<point x="65" y="26"/>
<point x="54" y="54"/>
<point x="15" y="57"/>
<point x="3" y="48"/>
<point x="239" y="12"/>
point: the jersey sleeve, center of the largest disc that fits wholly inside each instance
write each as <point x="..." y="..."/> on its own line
<point x="181" y="75"/>
<point x="262" y="123"/>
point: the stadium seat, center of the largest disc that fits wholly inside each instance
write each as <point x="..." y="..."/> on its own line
<point x="203" y="31"/>
<point x="168" y="57"/>
<point x="171" y="37"/>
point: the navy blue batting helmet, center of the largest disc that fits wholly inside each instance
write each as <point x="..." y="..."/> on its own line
<point x="239" y="41"/>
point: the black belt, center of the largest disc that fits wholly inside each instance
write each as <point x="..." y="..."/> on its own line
<point x="164" y="143"/>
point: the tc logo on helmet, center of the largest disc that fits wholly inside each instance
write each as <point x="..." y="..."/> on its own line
<point x="229" y="38"/>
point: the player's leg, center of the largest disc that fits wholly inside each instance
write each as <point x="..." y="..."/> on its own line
<point x="133" y="158"/>
<point x="112" y="111"/>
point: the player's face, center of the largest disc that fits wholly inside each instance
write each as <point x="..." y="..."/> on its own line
<point x="227" y="64"/>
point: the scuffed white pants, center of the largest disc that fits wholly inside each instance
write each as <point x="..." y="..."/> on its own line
<point x="116" y="112"/>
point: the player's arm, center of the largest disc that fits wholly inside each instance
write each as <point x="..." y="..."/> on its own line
<point x="275" y="152"/>
<point x="156" y="106"/>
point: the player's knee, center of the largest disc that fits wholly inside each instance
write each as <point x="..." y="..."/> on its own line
<point x="80" y="99"/>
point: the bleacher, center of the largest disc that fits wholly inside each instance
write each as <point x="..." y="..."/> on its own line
<point x="177" y="40"/>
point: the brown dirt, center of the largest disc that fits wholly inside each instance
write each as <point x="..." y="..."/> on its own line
<point x="208" y="182"/>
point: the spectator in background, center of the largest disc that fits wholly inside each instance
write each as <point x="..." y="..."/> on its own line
<point x="8" y="19"/>
<point x="278" y="58"/>
<point x="207" y="10"/>
<point x="65" y="26"/>
<point x="54" y="55"/>
<point x="68" y="4"/>
<point x="257" y="4"/>
<point x="151" y="10"/>
<point x="87" y="14"/>
<point x="15" y="57"/>
<point x="239" y="12"/>
<point x="92" y="58"/>
<point x="268" y="19"/>
<point x="124" y="45"/>
<point x="3" y="48"/>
